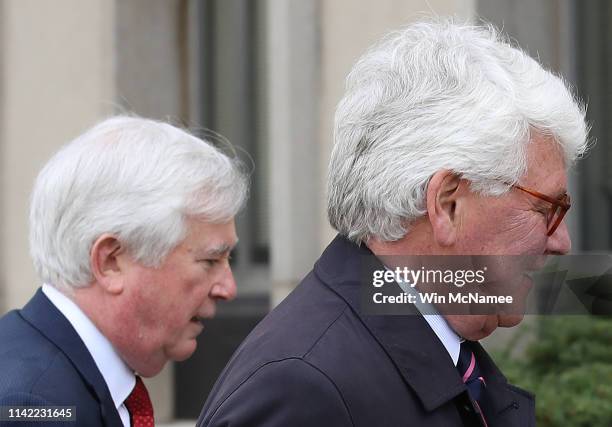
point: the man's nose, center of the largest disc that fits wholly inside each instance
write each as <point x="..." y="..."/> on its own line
<point x="225" y="285"/>
<point x="559" y="242"/>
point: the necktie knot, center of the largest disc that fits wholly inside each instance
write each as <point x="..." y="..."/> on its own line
<point x="139" y="405"/>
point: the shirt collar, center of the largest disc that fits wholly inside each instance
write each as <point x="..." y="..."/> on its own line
<point x="437" y="322"/>
<point x="119" y="377"/>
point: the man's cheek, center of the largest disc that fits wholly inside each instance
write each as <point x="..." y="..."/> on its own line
<point x="525" y="234"/>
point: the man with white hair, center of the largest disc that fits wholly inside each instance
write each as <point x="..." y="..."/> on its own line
<point x="131" y="228"/>
<point x="448" y="141"/>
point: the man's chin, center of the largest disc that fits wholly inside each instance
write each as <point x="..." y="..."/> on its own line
<point x="476" y="327"/>
<point x="183" y="351"/>
<point x="509" y="320"/>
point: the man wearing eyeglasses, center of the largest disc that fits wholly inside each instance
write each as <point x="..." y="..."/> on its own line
<point x="449" y="141"/>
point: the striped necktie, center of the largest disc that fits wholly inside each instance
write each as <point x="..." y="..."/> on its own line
<point x="471" y="376"/>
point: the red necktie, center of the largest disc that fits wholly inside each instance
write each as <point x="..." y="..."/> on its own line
<point x="139" y="406"/>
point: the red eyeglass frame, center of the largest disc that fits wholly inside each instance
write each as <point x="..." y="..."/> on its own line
<point x="563" y="203"/>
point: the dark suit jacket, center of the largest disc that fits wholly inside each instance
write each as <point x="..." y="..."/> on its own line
<point x="44" y="362"/>
<point x="316" y="360"/>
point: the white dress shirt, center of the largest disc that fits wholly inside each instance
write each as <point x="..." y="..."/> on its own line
<point x="119" y="377"/>
<point x="437" y="322"/>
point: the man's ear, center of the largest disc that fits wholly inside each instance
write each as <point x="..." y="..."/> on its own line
<point x="443" y="192"/>
<point x="106" y="263"/>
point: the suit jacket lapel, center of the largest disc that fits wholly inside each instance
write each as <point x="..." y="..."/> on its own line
<point x="504" y="404"/>
<point x="45" y="317"/>
<point x="414" y="348"/>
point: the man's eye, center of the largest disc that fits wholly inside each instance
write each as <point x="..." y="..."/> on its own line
<point x="544" y="211"/>
<point x="212" y="262"/>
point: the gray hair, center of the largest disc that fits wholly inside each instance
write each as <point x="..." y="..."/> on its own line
<point x="135" y="178"/>
<point x="439" y="95"/>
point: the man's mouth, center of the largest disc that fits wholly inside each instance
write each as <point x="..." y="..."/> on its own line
<point x="197" y="319"/>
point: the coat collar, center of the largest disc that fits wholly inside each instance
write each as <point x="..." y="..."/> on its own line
<point x="415" y="350"/>
<point x="45" y="317"/>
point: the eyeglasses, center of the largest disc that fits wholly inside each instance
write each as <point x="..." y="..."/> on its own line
<point x="556" y="212"/>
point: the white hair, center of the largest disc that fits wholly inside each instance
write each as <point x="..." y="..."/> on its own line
<point x="439" y="95"/>
<point x="135" y="178"/>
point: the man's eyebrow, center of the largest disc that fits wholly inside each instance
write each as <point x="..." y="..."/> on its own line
<point x="217" y="251"/>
